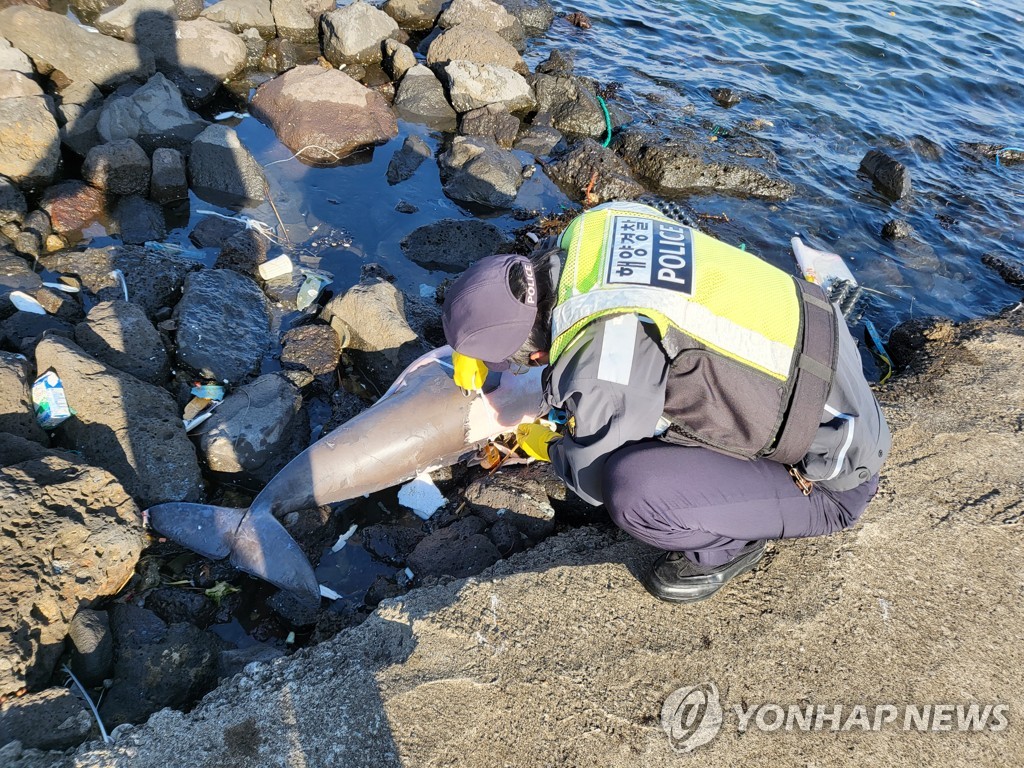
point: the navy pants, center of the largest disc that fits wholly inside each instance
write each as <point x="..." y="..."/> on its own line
<point x="708" y="506"/>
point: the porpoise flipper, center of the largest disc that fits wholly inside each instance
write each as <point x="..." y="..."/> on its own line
<point x="263" y="548"/>
<point x="204" y="528"/>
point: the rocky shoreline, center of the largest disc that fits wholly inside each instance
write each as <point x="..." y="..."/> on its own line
<point x="111" y="127"/>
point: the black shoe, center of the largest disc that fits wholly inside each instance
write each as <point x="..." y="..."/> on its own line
<point x="675" y="579"/>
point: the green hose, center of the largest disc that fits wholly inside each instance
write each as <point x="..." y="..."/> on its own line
<point x="607" y="122"/>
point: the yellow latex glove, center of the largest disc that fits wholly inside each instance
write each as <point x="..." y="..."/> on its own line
<point x="534" y="440"/>
<point x="469" y="372"/>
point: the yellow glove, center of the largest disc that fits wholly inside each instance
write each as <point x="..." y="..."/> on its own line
<point x="534" y="440"/>
<point x="469" y="372"/>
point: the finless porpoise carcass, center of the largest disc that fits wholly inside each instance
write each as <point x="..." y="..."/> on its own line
<point x="423" y="422"/>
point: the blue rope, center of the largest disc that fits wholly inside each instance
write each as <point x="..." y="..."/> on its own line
<point x="608" y="123"/>
<point x="998" y="151"/>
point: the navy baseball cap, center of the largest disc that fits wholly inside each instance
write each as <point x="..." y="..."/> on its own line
<point x="482" y="318"/>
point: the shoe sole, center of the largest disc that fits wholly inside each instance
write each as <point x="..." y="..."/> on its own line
<point x="702" y="591"/>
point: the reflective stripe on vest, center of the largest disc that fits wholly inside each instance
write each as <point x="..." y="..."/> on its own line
<point x="628" y="257"/>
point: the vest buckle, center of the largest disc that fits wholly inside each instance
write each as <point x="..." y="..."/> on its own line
<point x="805" y="485"/>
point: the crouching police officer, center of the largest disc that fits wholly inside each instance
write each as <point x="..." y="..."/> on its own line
<point x="711" y="401"/>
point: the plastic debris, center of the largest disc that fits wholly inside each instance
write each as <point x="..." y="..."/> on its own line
<point x="198" y="410"/>
<point x="421" y="496"/>
<point x="208" y="391"/>
<point x="26" y="303"/>
<point x="329" y="593"/>
<point x="228" y="115"/>
<point x="290" y="640"/>
<point x="310" y="290"/>
<point x="50" y="401"/>
<point x="63" y="287"/>
<point x="120" y="277"/>
<point x="277" y="267"/>
<point x="821" y="267"/>
<point x="343" y="539"/>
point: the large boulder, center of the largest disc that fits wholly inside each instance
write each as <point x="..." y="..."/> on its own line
<point x="14" y="60"/>
<point x="169" y="181"/>
<point x="138" y="220"/>
<point x="155" y="116"/>
<point x="472" y="86"/>
<point x="240" y="15"/>
<point x="487" y="14"/>
<point x="594" y="174"/>
<point x="196" y="55"/>
<point x="71" y="535"/>
<point x="12" y="203"/>
<point x="256" y="430"/>
<point x="398" y="59"/>
<point x="573" y="106"/>
<point x="421" y="98"/>
<point x="476" y="170"/>
<point x="888" y="175"/>
<point x="73" y="205"/>
<point x="293" y="21"/>
<point x="492" y="122"/>
<point x="55" y="42"/>
<point x="119" y="168"/>
<point x="353" y="34"/>
<point x="29" y="137"/>
<point x="223" y="170"/>
<point x="480" y="45"/>
<point x="130" y="428"/>
<point x="454" y="244"/>
<point x="414" y="15"/>
<point x="459" y="550"/>
<point x="122" y="21"/>
<point x="153" y="280"/>
<point x="309" y="105"/>
<point x="536" y="16"/>
<point x="119" y="334"/>
<point x="223" y="325"/>
<point x="17" y="415"/>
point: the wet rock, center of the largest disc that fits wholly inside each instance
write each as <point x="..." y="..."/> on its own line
<point x="61" y="44"/>
<point x="12" y="203"/>
<point x="557" y="63"/>
<point x="29" y="138"/>
<point x="539" y="140"/>
<point x="686" y="165"/>
<point x="897" y="229"/>
<point x="119" y="334"/>
<point x="407" y="159"/>
<point x="223" y="325"/>
<point x="472" y="86"/>
<point x="413" y="14"/>
<point x="595" y="174"/>
<point x="214" y="232"/>
<point x="404" y="206"/>
<point x="144" y="680"/>
<point x="372" y="317"/>
<point x="128" y="427"/>
<point x="240" y="15"/>
<point x="536" y="16"/>
<point x="118" y="168"/>
<point x="471" y="42"/>
<point x="398" y="59"/>
<point x="154" y="280"/>
<point x="479" y="171"/>
<point x="459" y="550"/>
<point x="280" y="56"/>
<point x="519" y="499"/>
<point x="155" y="116"/>
<point x="59" y="514"/>
<point x="34" y="231"/>
<point x="73" y="205"/>
<point x="17" y="415"/>
<point x="579" y="19"/>
<point x="243" y="252"/>
<point x="222" y="169"/>
<point x="353" y="34"/>
<point x="91" y="646"/>
<point x="725" y="97"/>
<point x="256" y="430"/>
<point x="487" y="14"/>
<point x="168" y="182"/>
<point x="14" y="60"/>
<point x="421" y="98"/>
<point x="1000" y="152"/>
<point x="174" y="605"/>
<point x="309" y="105"/>
<point x="573" y="106"/>
<point x="196" y="55"/>
<point x="138" y="220"/>
<point x="391" y="543"/>
<point x="22" y="330"/>
<point x="889" y="176"/>
<point x="492" y="122"/>
<point x="293" y="21"/>
<point x="453" y="244"/>
<point x="313" y="348"/>
<point x="1010" y="270"/>
<point x="382" y="588"/>
<point x="506" y="537"/>
<point x="255" y="47"/>
<point x="52" y="719"/>
<point x="297" y="613"/>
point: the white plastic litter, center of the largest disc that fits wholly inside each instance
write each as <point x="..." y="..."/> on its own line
<point x="120" y="278"/>
<point x="427" y="291"/>
<point x="228" y="115"/>
<point x="421" y="496"/>
<point x="821" y="267"/>
<point x="278" y="267"/>
<point x="329" y="593"/>
<point x="49" y="401"/>
<point x="26" y="303"/>
<point x="343" y="539"/>
<point x="63" y="287"/>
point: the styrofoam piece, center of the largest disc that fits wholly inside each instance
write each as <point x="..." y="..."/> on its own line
<point x="276" y="267"/>
<point x="421" y="496"/>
